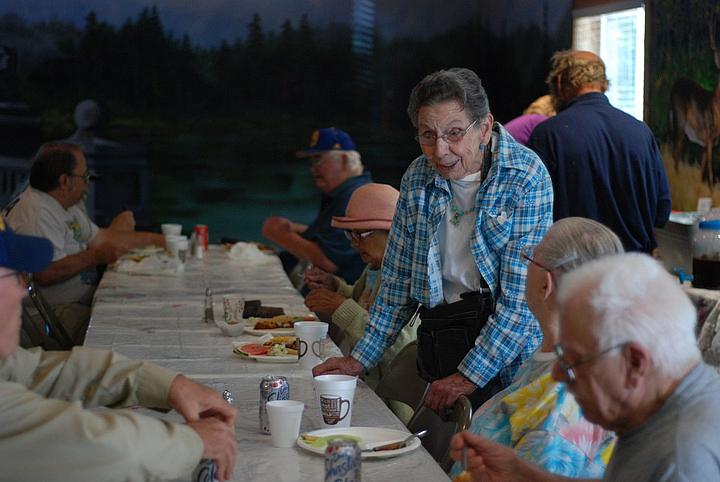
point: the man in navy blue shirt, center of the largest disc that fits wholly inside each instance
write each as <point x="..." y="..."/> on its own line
<point x="604" y="164"/>
<point x="338" y="171"/>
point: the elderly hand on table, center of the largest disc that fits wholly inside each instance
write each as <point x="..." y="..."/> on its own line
<point x="444" y="392"/>
<point x="211" y="417"/>
<point x="345" y="365"/>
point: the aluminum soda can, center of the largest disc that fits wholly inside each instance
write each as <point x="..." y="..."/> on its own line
<point x="206" y="471"/>
<point x="202" y="235"/>
<point x="272" y="387"/>
<point x="342" y="461"/>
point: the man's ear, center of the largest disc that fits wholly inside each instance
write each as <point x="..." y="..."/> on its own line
<point x="63" y="181"/>
<point x="548" y="285"/>
<point x="638" y="362"/>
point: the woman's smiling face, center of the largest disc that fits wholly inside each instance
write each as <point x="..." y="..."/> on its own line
<point x="453" y="160"/>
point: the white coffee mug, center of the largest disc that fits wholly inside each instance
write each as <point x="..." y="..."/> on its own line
<point x="311" y="345"/>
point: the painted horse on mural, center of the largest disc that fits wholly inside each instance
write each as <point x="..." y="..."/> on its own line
<point x="695" y="112"/>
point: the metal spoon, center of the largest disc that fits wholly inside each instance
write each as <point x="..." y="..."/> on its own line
<point x="464" y="462"/>
<point x="397" y="445"/>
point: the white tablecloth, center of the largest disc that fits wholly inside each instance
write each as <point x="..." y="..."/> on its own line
<point x="159" y="319"/>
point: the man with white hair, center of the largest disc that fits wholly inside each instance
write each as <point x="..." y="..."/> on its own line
<point x="628" y="353"/>
<point x="337" y="170"/>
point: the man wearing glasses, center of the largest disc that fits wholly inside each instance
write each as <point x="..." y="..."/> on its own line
<point x="628" y="353"/>
<point x="51" y="207"/>
<point x="337" y="170"/>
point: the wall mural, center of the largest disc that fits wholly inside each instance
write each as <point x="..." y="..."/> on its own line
<point x="684" y="96"/>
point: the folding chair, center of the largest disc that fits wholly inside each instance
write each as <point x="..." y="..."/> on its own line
<point x="30" y="333"/>
<point x="56" y="330"/>
<point x="402" y="383"/>
<point x="441" y="429"/>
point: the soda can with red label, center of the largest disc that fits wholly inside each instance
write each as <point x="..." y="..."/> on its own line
<point x="202" y="236"/>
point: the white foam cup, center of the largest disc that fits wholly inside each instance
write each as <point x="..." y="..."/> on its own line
<point x="334" y="394"/>
<point x="285" y="417"/>
<point x="171" y="229"/>
<point x="175" y="243"/>
<point x="311" y="345"/>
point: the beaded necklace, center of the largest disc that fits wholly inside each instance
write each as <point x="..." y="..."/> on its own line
<point x="458" y="213"/>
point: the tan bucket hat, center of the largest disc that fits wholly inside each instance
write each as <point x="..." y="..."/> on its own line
<point x="372" y="206"/>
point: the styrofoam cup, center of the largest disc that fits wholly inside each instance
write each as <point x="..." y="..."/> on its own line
<point x="334" y="394"/>
<point x="311" y="345"/>
<point x="171" y="229"/>
<point x="284" y="417"/>
<point x="175" y="244"/>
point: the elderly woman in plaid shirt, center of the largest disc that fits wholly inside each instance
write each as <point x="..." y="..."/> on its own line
<point x="467" y="207"/>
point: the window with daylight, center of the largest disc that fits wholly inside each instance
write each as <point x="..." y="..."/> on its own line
<point x="618" y="37"/>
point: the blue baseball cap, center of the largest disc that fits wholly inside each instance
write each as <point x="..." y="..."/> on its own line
<point x="23" y="253"/>
<point x="328" y="139"/>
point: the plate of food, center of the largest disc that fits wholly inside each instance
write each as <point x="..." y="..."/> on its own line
<point x="277" y="325"/>
<point x="145" y="251"/>
<point x="278" y="349"/>
<point x="366" y="437"/>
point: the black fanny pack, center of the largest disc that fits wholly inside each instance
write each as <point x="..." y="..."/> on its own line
<point x="447" y="332"/>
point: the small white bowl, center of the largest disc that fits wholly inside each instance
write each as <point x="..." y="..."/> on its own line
<point x="236" y="329"/>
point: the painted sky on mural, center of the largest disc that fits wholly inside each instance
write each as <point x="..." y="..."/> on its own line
<point x="210" y="21"/>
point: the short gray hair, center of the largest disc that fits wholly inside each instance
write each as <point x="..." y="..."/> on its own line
<point x="458" y="84"/>
<point x="571" y="242"/>
<point x="354" y="161"/>
<point x="633" y="299"/>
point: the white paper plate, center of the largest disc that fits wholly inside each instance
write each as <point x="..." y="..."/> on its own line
<point x="369" y="437"/>
<point x="250" y="330"/>
<point x="146" y="251"/>
<point x="266" y="358"/>
<point x="250" y="325"/>
<point x="276" y="359"/>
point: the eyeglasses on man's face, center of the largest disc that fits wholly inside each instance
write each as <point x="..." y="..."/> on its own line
<point x="569" y="369"/>
<point x="527" y="254"/>
<point x="357" y="236"/>
<point x="85" y="177"/>
<point x="451" y="136"/>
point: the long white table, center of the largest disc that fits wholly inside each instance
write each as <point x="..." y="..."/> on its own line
<point x="159" y="319"/>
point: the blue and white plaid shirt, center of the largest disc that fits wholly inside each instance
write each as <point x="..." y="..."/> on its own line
<point x="514" y="206"/>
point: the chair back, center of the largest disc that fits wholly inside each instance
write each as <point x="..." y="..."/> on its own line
<point x="402" y="382"/>
<point x="57" y="330"/>
<point x="442" y="428"/>
<point x="30" y="333"/>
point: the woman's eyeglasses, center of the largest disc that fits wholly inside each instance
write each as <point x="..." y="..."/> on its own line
<point x="357" y="235"/>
